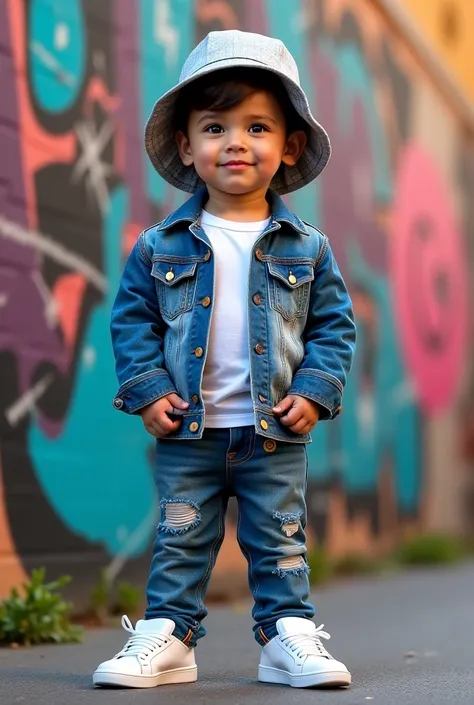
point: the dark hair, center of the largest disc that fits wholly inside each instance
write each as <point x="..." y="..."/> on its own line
<point x="226" y="88"/>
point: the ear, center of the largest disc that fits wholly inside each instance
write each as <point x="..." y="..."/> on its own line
<point x="294" y="147"/>
<point x="184" y="148"/>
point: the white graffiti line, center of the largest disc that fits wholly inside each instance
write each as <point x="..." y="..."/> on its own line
<point x="22" y="406"/>
<point x="51" y="62"/>
<point x="54" y="250"/>
<point x="3" y="300"/>
<point x="90" y="164"/>
<point x="164" y="32"/>
<point x="50" y="305"/>
<point x="131" y="544"/>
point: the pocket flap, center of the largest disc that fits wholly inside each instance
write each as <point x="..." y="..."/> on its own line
<point x="292" y="275"/>
<point x="170" y="273"/>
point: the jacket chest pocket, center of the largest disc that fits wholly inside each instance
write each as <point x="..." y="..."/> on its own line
<point x="289" y="288"/>
<point x="175" y="286"/>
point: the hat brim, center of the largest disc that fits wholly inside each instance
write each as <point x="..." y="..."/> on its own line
<point x="163" y="151"/>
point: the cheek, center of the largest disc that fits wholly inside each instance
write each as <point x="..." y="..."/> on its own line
<point x="206" y="155"/>
<point x="269" y="152"/>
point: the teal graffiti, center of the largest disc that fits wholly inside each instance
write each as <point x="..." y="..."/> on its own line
<point x="58" y="50"/>
<point x="356" y="82"/>
<point x="291" y="31"/>
<point x="96" y="475"/>
<point x="166" y="31"/>
<point x="380" y="422"/>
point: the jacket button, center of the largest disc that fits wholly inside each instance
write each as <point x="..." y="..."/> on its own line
<point x="206" y="301"/>
<point x="194" y="426"/>
<point x="292" y="279"/>
<point x="259" y="349"/>
<point x="257" y="299"/>
<point x="264" y="424"/>
<point x="199" y="352"/>
<point x="339" y="409"/>
<point x="259" y="254"/>
<point x="169" y="276"/>
<point x="207" y="256"/>
<point x="195" y="399"/>
<point x="118" y="403"/>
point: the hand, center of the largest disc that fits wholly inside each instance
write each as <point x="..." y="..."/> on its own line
<point x="298" y="413"/>
<point x="156" y="419"/>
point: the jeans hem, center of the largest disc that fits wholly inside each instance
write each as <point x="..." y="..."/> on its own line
<point x="187" y="636"/>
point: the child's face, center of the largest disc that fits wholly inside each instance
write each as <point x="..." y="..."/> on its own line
<point x="238" y="151"/>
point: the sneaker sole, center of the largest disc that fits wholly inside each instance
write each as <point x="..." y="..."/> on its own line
<point x="177" y="675"/>
<point x="307" y="680"/>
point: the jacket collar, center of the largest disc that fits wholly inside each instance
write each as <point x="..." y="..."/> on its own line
<point x="191" y="210"/>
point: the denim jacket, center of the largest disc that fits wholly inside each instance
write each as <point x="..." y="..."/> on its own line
<point x="300" y="320"/>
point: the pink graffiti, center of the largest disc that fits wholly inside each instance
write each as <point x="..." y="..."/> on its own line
<point x="429" y="280"/>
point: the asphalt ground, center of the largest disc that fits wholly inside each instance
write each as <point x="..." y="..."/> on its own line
<point x="407" y="639"/>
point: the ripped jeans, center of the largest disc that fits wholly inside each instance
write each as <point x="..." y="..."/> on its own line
<point x="194" y="480"/>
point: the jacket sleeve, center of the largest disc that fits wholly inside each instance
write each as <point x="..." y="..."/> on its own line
<point x="137" y="330"/>
<point x="329" y="337"/>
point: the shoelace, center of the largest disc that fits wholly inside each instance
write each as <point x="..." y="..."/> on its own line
<point x="140" y="644"/>
<point x="308" y="644"/>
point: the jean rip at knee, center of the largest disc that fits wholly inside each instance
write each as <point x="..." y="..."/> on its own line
<point x="179" y="515"/>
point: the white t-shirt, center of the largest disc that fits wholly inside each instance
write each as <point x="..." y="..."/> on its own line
<point x="226" y="381"/>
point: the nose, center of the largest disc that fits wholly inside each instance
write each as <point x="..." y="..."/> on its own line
<point x="235" y="142"/>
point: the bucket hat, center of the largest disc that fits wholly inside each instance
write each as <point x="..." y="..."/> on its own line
<point x="222" y="50"/>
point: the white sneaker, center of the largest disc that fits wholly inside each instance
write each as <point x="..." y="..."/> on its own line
<point x="151" y="656"/>
<point x="297" y="657"/>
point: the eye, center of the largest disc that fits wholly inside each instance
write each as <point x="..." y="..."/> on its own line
<point x="257" y="128"/>
<point x="214" y="129"/>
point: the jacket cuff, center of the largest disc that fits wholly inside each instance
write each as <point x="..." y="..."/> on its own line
<point x="143" y="390"/>
<point x="320" y="387"/>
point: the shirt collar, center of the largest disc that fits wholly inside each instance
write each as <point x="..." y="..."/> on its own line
<point x="191" y="209"/>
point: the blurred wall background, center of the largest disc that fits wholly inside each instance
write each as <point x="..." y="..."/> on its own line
<point x="393" y="84"/>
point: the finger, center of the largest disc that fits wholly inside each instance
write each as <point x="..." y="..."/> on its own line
<point x="162" y="425"/>
<point x="166" y="424"/>
<point x="283" y="406"/>
<point x="300" y="426"/>
<point x="293" y="416"/>
<point x="177" y="402"/>
<point x="154" y="430"/>
<point x="309" y="427"/>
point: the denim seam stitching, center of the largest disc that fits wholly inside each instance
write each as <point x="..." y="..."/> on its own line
<point x="248" y="556"/>
<point x="211" y="559"/>
<point x="250" y="453"/>
<point x="142" y="249"/>
<point x="281" y="386"/>
<point x="140" y="378"/>
<point x="322" y="375"/>
<point x="228" y="461"/>
<point x="290" y="260"/>
<point x="322" y="252"/>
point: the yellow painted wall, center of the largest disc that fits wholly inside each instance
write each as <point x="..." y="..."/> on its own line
<point x="449" y="27"/>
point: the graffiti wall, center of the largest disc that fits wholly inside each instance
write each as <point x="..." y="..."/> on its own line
<point x="78" y="80"/>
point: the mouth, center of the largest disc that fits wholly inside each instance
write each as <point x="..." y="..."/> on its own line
<point x="236" y="165"/>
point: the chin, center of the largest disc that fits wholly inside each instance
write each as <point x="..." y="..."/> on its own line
<point x="240" y="189"/>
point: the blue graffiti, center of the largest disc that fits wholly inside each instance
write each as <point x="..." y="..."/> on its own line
<point x="96" y="475"/>
<point x="166" y="31"/>
<point x="292" y="33"/>
<point x="379" y="425"/>
<point x="380" y="422"/>
<point x="57" y="50"/>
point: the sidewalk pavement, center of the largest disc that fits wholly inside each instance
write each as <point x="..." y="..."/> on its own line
<point x="408" y="640"/>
